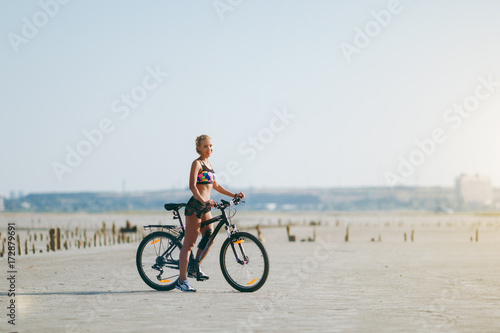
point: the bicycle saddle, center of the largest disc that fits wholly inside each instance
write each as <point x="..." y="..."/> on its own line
<point x="174" y="206"/>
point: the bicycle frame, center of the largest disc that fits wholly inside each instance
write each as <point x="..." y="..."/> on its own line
<point x="223" y="222"/>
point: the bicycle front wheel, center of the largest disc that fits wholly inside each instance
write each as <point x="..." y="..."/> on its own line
<point x="244" y="262"/>
<point x="157" y="260"/>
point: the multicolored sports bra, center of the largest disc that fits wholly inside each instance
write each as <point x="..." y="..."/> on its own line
<point x="206" y="176"/>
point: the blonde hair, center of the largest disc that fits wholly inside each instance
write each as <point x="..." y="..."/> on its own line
<point x="199" y="139"/>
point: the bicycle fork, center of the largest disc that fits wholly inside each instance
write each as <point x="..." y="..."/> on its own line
<point x="239" y="243"/>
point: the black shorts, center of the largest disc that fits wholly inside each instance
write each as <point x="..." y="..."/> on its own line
<point x="195" y="206"/>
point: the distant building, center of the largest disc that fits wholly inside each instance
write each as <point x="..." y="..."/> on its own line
<point x="2" y="206"/>
<point x="474" y="190"/>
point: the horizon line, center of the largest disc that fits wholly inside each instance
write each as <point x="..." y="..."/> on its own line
<point x="275" y="188"/>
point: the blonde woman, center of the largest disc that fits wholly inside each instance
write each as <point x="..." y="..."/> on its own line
<point x="201" y="181"/>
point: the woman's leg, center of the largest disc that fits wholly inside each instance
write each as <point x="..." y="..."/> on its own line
<point x="191" y="233"/>
<point x="205" y="217"/>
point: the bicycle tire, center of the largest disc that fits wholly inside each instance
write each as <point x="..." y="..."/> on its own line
<point x="248" y="276"/>
<point x="157" y="271"/>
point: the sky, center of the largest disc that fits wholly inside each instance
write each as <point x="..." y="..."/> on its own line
<point x="110" y="95"/>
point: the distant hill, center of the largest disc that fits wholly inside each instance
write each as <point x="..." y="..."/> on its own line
<point x="332" y="199"/>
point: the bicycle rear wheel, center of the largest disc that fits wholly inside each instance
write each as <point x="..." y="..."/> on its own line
<point x="157" y="260"/>
<point x="244" y="262"/>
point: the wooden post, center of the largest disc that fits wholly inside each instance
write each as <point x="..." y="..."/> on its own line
<point x="259" y="233"/>
<point x="347" y="235"/>
<point x="405" y="236"/>
<point x="34" y="247"/>
<point x="412" y="235"/>
<point x="52" y="242"/>
<point x="26" y="247"/>
<point x="477" y="235"/>
<point x="58" y="239"/>
<point x="19" y="245"/>
<point x="291" y="238"/>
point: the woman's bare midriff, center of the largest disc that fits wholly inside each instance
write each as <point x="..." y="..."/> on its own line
<point x="204" y="190"/>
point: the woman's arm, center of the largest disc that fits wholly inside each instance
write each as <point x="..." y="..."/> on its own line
<point x="219" y="188"/>
<point x="195" y="169"/>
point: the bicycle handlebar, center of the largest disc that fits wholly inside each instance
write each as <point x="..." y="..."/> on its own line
<point x="224" y="204"/>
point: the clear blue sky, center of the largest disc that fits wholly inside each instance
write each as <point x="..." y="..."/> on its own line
<point x="351" y="104"/>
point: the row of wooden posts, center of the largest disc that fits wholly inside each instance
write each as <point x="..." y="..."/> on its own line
<point x="56" y="240"/>
<point x="292" y="238"/>
<point x="405" y="236"/>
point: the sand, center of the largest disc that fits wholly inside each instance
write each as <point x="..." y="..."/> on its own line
<point x="441" y="282"/>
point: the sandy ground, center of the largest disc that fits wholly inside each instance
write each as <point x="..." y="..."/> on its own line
<point x="441" y="282"/>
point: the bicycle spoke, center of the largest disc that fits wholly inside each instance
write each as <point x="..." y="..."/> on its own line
<point x="158" y="260"/>
<point x="246" y="267"/>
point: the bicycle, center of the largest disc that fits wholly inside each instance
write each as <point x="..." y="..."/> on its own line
<point x="243" y="259"/>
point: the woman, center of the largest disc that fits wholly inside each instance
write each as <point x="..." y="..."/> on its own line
<point x="201" y="181"/>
